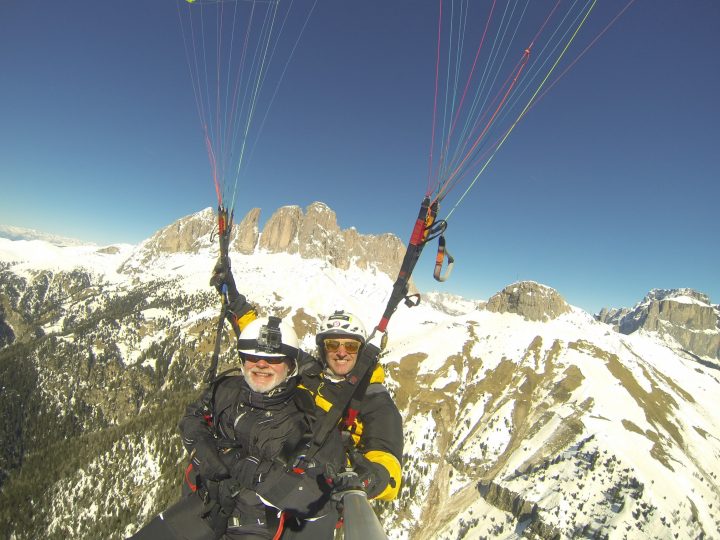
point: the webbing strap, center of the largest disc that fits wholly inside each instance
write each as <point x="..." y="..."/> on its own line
<point x="356" y="379"/>
<point x="418" y="238"/>
<point x="281" y="527"/>
<point x="224" y="228"/>
<point x="212" y="370"/>
<point x="440" y="258"/>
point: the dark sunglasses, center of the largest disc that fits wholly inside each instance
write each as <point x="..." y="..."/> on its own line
<point x="268" y="359"/>
<point x="332" y="345"/>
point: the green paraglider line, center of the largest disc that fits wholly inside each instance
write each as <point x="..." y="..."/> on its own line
<point x="251" y="112"/>
<point x="434" y="116"/>
<point x="524" y="111"/>
<point x="584" y="51"/>
<point x="526" y="55"/>
<point x="469" y="126"/>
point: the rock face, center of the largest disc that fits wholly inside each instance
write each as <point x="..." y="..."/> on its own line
<point x="188" y="234"/>
<point x="246" y="233"/>
<point x="280" y="234"/>
<point x="531" y="300"/>
<point x="313" y="234"/>
<point x="685" y="315"/>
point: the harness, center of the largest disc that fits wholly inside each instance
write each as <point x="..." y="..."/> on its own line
<point x="358" y="379"/>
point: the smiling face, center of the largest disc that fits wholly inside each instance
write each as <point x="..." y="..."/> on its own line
<point x="339" y="359"/>
<point x="263" y="374"/>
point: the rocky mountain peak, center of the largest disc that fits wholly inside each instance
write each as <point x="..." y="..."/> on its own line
<point x="280" y="233"/>
<point x="530" y="300"/>
<point x="315" y="234"/>
<point x="245" y="234"/>
<point x="312" y="233"/>
<point x="188" y="234"/>
<point x="684" y="316"/>
<point x="680" y="295"/>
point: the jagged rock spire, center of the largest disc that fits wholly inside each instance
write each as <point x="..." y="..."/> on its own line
<point x="313" y="233"/>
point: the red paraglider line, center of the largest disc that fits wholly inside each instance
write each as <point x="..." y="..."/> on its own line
<point x="213" y="165"/>
<point x="584" y="51"/>
<point x="524" y="61"/>
<point x="472" y="71"/>
<point x="487" y="110"/>
<point x="434" y="120"/>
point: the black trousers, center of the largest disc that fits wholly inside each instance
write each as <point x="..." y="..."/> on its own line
<point x="182" y="521"/>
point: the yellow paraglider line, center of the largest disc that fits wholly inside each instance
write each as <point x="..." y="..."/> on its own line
<point x="523" y="112"/>
<point x="228" y="74"/>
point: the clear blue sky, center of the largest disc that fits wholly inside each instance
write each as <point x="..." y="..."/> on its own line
<point x="606" y="189"/>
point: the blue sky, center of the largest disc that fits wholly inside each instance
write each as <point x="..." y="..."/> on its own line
<point x="606" y="189"/>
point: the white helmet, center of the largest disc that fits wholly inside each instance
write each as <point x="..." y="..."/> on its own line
<point x="269" y="337"/>
<point x="341" y="324"/>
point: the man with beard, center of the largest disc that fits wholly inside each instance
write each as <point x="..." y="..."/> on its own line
<point x="244" y="436"/>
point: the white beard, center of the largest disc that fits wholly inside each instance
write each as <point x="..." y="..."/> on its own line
<point x="263" y="384"/>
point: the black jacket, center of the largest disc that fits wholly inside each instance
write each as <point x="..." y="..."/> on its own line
<point x="377" y="433"/>
<point x="229" y="423"/>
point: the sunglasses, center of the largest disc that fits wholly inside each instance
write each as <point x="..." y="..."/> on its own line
<point x="268" y="359"/>
<point x="351" y="347"/>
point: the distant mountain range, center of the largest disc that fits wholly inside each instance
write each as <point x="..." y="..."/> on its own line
<point x="523" y="416"/>
<point x="20" y="233"/>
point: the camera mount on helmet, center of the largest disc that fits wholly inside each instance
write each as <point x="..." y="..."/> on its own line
<point x="270" y="338"/>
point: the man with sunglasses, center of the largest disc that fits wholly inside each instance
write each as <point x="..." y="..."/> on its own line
<point x="243" y="436"/>
<point x="375" y="438"/>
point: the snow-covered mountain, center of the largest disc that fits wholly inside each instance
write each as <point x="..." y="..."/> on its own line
<point x="523" y="416"/>
<point x="683" y="318"/>
<point x="21" y="233"/>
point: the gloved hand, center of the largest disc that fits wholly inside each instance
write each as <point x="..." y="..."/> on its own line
<point x="249" y="470"/>
<point x="238" y="307"/>
<point x="223" y="493"/>
<point x="222" y="278"/>
<point x="373" y="476"/>
<point x="207" y="463"/>
<point x="300" y="489"/>
<point x="342" y="481"/>
<point x="219" y="503"/>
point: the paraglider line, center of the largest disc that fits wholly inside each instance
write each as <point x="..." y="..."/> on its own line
<point x="524" y="111"/>
<point x="434" y="117"/>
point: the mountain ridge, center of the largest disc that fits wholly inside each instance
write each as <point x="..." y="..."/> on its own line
<point x="312" y="233"/>
<point x="12" y="232"/>
<point x="683" y="317"/>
